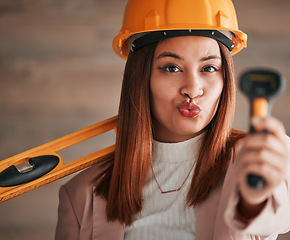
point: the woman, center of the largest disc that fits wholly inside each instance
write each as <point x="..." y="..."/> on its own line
<point x="179" y="170"/>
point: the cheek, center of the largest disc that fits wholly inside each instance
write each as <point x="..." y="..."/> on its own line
<point x="214" y="94"/>
<point x="159" y="98"/>
<point x="217" y="92"/>
<point x="155" y="96"/>
<point x="162" y="93"/>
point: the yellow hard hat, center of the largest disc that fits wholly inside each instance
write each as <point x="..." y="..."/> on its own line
<point x="146" y="21"/>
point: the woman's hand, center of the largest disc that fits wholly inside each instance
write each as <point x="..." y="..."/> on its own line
<point x="265" y="155"/>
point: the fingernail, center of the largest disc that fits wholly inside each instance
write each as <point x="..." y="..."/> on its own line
<point x="257" y="124"/>
<point x="257" y="120"/>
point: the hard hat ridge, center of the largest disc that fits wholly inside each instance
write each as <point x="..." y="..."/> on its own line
<point x="146" y="16"/>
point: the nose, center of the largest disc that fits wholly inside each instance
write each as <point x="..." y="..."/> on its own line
<point x="192" y="88"/>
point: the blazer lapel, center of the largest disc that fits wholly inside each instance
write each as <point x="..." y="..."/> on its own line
<point x="102" y="229"/>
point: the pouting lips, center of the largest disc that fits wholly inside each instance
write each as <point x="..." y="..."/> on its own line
<point x="189" y="109"/>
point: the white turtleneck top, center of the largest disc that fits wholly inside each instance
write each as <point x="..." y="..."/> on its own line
<point x="167" y="216"/>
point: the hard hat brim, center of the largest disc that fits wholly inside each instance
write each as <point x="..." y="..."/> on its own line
<point x="157" y="36"/>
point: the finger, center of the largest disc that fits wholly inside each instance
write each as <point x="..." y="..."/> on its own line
<point x="259" y="142"/>
<point x="272" y="176"/>
<point x="265" y="157"/>
<point x="270" y="124"/>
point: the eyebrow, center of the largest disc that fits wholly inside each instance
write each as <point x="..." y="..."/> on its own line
<point x="169" y="54"/>
<point x="210" y="57"/>
<point x="173" y="55"/>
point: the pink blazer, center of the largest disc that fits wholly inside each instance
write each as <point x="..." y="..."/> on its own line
<point x="81" y="214"/>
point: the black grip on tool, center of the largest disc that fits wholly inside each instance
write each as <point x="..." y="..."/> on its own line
<point x="254" y="180"/>
<point x="41" y="166"/>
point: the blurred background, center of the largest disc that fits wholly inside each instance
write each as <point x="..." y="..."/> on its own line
<point x="58" y="74"/>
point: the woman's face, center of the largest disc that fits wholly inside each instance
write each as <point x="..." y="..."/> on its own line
<point x="186" y="85"/>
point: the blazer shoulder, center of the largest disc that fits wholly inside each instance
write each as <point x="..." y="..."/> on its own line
<point x="85" y="178"/>
<point x="79" y="189"/>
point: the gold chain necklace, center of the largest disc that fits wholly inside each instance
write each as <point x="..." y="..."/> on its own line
<point x="173" y="190"/>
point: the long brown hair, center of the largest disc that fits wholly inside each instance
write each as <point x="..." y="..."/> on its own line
<point x="122" y="179"/>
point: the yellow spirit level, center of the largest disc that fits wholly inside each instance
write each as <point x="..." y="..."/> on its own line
<point x="41" y="165"/>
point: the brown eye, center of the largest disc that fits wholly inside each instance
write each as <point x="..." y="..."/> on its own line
<point x="170" y="68"/>
<point x="209" y="69"/>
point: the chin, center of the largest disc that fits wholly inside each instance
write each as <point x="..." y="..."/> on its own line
<point x="190" y="133"/>
<point x="192" y="127"/>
